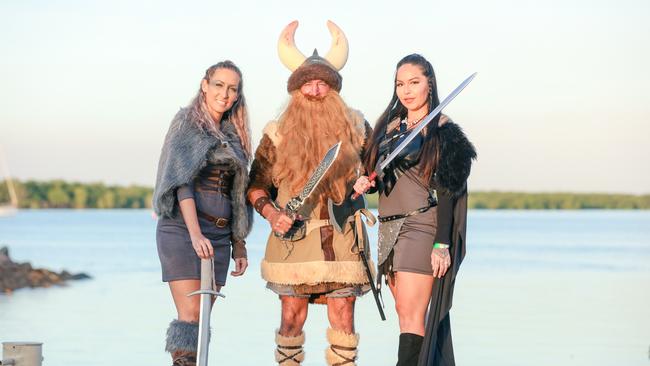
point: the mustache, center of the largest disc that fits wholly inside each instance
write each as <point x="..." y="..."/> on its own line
<point x="314" y="98"/>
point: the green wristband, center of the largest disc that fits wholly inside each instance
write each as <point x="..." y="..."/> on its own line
<point x="441" y="246"/>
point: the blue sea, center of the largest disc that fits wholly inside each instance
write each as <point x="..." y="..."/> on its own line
<point x="536" y="288"/>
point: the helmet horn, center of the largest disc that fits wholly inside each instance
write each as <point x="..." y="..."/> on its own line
<point x="338" y="53"/>
<point x="289" y="54"/>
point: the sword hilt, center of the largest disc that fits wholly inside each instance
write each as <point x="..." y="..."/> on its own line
<point x="372" y="177"/>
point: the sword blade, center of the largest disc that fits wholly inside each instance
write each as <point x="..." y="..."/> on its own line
<point x="315" y="178"/>
<point x="204" y="330"/>
<point x="384" y="163"/>
<point x="204" y="313"/>
<point x="207" y="291"/>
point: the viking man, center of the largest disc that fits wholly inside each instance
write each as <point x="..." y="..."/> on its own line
<point x="324" y="265"/>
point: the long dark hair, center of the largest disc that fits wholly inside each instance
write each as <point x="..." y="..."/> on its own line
<point x="237" y="114"/>
<point x="396" y="109"/>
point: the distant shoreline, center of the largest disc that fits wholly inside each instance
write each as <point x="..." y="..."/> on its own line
<point x="63" y="194"/>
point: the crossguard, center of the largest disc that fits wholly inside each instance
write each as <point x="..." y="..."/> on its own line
<point x="206" y="292"/>
<point x="293" y="206"/>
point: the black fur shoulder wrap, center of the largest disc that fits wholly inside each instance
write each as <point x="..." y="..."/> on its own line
<point x="456" y="155"/>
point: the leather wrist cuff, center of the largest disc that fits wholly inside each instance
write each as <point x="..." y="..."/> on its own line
<point x="260" y="203"/>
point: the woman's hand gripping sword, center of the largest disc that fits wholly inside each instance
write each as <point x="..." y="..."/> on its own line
<point x="382" y="164"/>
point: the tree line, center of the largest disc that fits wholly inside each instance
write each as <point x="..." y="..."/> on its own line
<point x="548" y="201"/>
<point x="557" y="201"/>
<point x="62" y="194"/>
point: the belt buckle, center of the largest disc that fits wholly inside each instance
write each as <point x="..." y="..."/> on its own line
<point x="221" y="222"/>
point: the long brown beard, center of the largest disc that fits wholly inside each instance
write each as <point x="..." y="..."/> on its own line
<point x="308" y="128"/>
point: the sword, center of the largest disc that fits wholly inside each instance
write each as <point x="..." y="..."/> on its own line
<point x="207" y="291"/>
<point x="379" y="300"/>
<point x="294" y="204"/>
<point x="379" y="168"/>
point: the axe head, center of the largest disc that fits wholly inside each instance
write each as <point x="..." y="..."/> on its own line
<point x="340" y="214"/>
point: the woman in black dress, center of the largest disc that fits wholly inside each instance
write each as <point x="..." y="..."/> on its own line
<point x="418" y="196"/>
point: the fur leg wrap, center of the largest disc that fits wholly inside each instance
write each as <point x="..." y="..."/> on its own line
<point x="289" y="351"/>
<point x="342" y="349"/>
<point x="182" y="336"/>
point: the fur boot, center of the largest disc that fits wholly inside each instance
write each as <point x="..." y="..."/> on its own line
<point x="182" y="340"/>
<point x="342" y="349"/>
<point x="409" y="349"/>
<point x="289" y="351"/>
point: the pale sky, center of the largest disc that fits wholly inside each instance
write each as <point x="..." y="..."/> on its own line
<point x="561" y="101"/>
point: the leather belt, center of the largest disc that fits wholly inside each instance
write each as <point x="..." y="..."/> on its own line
<point x="216" y="189"/>
<point x="432" y="200"/>
<point x="401" y="216"/>
<point x="219" y="222"/>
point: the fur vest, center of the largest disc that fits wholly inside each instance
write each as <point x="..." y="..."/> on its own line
<point x="455" y="162"/>
<point x="188" y="149"/>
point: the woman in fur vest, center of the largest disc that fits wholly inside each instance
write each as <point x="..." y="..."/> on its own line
<point x="199" y="198"/>
<point x="422" y="206"/>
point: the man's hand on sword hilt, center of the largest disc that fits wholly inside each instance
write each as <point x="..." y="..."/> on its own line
<point x="280" y="221"/>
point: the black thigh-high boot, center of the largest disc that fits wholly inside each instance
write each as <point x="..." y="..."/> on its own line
<point x="409" y="349"/>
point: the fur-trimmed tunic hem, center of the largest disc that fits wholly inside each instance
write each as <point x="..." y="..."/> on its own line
<point x="313" y="273"/>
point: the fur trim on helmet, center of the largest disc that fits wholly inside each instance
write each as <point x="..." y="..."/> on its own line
<point x="456" y="155"/>
<point x="315" y="69"/>
<point x="182" y="336"/>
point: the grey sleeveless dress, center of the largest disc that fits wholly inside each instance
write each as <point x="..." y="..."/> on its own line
<point x="178" y="259"/>
<point x="405" y="245"/>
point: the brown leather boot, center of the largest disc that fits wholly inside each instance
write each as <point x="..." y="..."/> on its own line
<point x="184" y="358"/>
<point x="182" y="338"/>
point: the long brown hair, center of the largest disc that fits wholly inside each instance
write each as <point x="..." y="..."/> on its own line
<point x="308" y="128"/>
<point x="396" y="109"/>
<point x="237" y="114"/>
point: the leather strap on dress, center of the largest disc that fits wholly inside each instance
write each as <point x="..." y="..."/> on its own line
<point x="401" y="216"/>
<point x="219" y="222"/>
<point x="215" y="180"/>
<point x="433" y="201"/>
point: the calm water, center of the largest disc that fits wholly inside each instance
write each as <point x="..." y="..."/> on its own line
<point x="537" y="288"/>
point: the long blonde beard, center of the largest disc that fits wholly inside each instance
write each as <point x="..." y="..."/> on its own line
<point x="308" y="128"/>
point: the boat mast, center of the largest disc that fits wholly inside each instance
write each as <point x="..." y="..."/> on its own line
<point x="10" y="184"/>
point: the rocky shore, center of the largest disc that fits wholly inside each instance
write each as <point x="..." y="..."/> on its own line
<point x="19" y="275"/>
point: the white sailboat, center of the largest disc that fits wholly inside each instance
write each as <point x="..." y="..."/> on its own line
<point x="7" y="208"/>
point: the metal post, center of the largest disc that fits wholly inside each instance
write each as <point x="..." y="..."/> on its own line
<point x="22" y="353"/>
